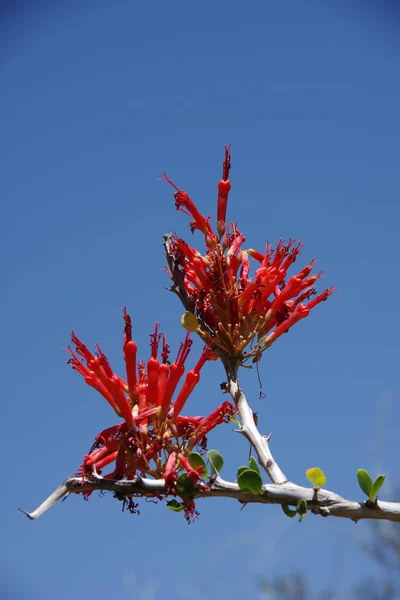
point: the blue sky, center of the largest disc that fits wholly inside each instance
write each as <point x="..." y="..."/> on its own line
<point x="97" y="101"/>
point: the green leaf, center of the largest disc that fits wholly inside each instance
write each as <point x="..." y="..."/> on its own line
<point x="253" y="464"/>
<point x="376" y="486"/>
<point x="216" y="461"/>
<point x="185" y="485"/>
<point x="316" y="476"/>
<point x="175" y="505"/>
<point x="301" y="509"/>
<point x="181" y="483"/>
<point x="240" y="471"/>
<point x="196" y="460"/>
<point x="365" y="481"/>
<point x="250" y="481"/>
<point x="288" y="511"/>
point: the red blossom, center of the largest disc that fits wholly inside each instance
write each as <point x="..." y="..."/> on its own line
<point x="130" y="352"/>
<point x="170" y="473"/>
<point x="233" y="308"/>
<point x="224" y="187"/>
<point x="192" y="379"/>
<point x="185" y="426"/>
<point x="153" y="434"/>
<point x="185" y="205"/>
<point x="219" y="415"/>
<point x="176" y="370"/>
<point x="194" y="474"/>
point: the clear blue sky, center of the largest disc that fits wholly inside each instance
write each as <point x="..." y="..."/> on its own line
<point x="97" y="101"/>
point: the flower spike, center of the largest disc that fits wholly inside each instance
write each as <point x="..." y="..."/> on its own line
<point x="232" y="308"/>
<point x="153" y="439"/>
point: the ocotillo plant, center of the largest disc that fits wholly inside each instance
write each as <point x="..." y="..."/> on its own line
<point x="239" y="302"/>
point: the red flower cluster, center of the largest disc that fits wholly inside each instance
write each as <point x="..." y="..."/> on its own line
<point x="153" y="438"/>
<point x="232" y="309"/>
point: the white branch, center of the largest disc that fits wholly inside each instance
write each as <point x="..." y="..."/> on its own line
<point x="61" y="492"/>
<point x="249" y="428"/>
<point x="324" y="502"/>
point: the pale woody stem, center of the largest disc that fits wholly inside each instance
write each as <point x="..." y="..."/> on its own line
<point x="249" y="428"/>
<point x="324" y="502"/>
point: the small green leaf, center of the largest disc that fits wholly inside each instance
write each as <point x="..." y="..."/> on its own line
<point x="175" y="505"/>
<point x="240" y="471"/>
<point x="288" y="511"/>
<point x="365" y="481"/>
<point x="196" y="460"/>
<point x="216" y="461"/>
<point x="316" y="476"/>
<point x="301" y="509"/>
<point x="181" y="482"/>
<point x="185" y="485"/>
<point x="376" y="486"/>
<point x="250" y="481"/>
<point x="253" y="464"/>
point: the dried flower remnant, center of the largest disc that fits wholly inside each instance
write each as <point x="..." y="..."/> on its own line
<point x="153" y="438"/>
<point x="230" y="308"/>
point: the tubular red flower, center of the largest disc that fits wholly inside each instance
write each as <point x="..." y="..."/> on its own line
<point x="292" y="255"/>
<point x="81" y="349"/>
<point x="185" y="426"/>
<point x="322" y="297"/>
<point x="110" y="432"/>
<point x="142" y="395"/>
<point x="130" y="353"/>
<point x="99" y="458"/>
<point x="245" y="269"/>
<point x="163" y="373"/>
<point x="305" y="295"/>
<point x="103" y="361"/>
<point x="233" y="265"/>
<point x="194" y="474"/>
<point x="106" y="461"/>
<point x="91" y="379"/>
<point x="182" y="200"/>
<point x="199" y="267"/>
<point x="217" y="417"/>
<point x="301" y="311"/>
<point x="101" y="376"/>
<point x="237" y="242"/>
<point x="121" y="400"/>
<point x="111" y="382"/>
<point x="281" y="252"/>
<point x="194" y="278"/>
<point x="153" y="366"/>
<point x="91" y="459"/>
<point x="176" y="371"/>
<point x="170" y="473"/>
<point x="224" y="187"/>
<point x="256" y="255"/>
<point x="192" y="379"/>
